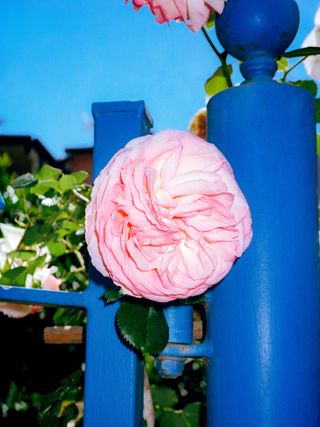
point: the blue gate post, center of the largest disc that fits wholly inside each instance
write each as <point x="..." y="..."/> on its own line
<point x="265" y="313"/>
<point x="113" y="376"/>
<point x="112" y="370"/>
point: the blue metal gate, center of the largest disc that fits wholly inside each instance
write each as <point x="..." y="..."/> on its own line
<point x="262" y="338"/>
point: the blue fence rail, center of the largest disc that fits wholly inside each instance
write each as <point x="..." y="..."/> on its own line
<point x="262" y="338"/>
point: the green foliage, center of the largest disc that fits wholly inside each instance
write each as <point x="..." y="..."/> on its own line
<point x="317" y="102"/>
<point x="198" y="300"/>
<point x="112" y="293"/>
<point x="50" y="206"/>
<point x="143" y="326"/>
<point x="5" y="161"/>
<point x="189" y="416"/>
<point x="26" y="180"/>
<point x="211" y="21"/>
<point x="163" y="395"/>
<point x="217" y="82"/>
<point x="69" y="316"/>
<point x="56" y="409"/>
<point x="309" y="85"/>
<point x="282" y="64"/>
<point x="14" y="277"/>
<point x="5" y="174"/>
<point x="17" y="400"/>
<point x="306" y="51"/>
<point x="179" y="402"/>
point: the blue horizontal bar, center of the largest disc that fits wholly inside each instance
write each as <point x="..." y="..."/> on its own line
<point x="41" y="296"/>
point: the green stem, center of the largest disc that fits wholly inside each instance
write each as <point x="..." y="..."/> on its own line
<point x="286" y="72"/>
<point x="222" y="57"/>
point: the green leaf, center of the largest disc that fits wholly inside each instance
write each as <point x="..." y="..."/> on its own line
<point x="5" y="160"/>
<point x="317" y="110"/>
<point x="282" y="64"/>
<point x="36" y="234"/>
<point x="69" y="316"/>
<point x="14" y="277"/>
<point x="69" y="225"/>
<point x="200" y="299"/>
<point x="143" y="326"/>
<point x="47" y="180"/>
<point x="164" y="396"/>
<point x="62" y="232"/>
<point x="56" y="248"/>
<point x="217" y="82"/>
<point x="211" y="21"/>
<point x="43" y="186"/>
<point x="193" y="414"/>
<point x="318" y="144"/>
<point x="171" y="419"/>
<point x="37" y="263"/>
<point x="23" y="255"/>
<point x="309" y="85"/>
<point x="49" y="173"/>
<point x="67" y="182"/>
<point x="26" y="180"/>
<point x="80" y="176"/>
<point x="112" y="293"/>
<point x="306" y="51"/>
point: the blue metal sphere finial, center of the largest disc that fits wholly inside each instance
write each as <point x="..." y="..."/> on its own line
<point x="251" y="29"/>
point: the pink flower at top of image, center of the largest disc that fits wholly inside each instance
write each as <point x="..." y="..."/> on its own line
<point x="167" y="218"/>
<point x="195" y="13"/>
<point x="312" y="63"/>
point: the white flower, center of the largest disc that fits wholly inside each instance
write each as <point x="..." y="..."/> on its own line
<point x="44" y="275"/>
<point x="50" y="201"/>
<point x="11" y="194"/>
<point x="43" y="250"/>
<point x="312" y="63"/>
<point x="41" y="274"/>
<point x="12" y="236"/>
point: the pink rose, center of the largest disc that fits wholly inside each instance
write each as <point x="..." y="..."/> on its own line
<point x="195" y="13"/>
<point x="167" y="218"/>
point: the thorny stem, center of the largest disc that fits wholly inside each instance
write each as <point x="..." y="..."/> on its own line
<point x="222" y="57"/>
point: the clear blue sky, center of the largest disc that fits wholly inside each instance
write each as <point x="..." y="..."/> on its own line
<point x="59" y="56"/>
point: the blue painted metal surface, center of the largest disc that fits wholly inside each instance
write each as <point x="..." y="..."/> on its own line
<point x="265" y="313"/>
<point x="112" y="370"/>
<point x="263" y="319"/>
<point x="170" y="364"/>
<point x="1" y="202"/>
<point x="113" y="377"/>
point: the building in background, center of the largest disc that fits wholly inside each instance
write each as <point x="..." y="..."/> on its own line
<point x="28" y="155"/>
<point x="79" y="159"/>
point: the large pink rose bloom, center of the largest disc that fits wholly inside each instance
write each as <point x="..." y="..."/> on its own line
<point x="195" y="13"/>
<point x="167" y="218"/>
